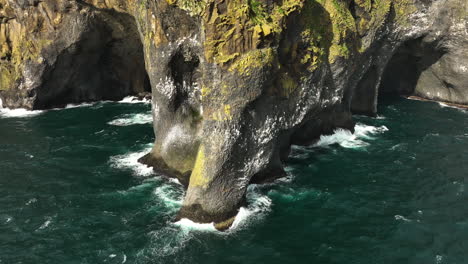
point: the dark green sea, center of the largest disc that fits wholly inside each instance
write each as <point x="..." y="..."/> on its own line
<point x="71" y="191"/>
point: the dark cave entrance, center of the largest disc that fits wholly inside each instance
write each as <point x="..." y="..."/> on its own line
<point x="105" y="63"/>
<point x="399" y="77"/>
<point x="185" y="73"/>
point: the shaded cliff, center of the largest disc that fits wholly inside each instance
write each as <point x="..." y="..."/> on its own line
<point x="58" y="52"/>
<point x="234" y="83"/>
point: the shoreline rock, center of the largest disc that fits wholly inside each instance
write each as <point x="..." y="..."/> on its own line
<point x="233" y="83"/>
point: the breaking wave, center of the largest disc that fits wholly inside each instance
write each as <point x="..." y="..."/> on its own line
<point x="172" y="238"/>
<point x="130" y="162"/>
<point x="347" y="139"/>
<point x="258" y="206"/>
<point x="69" y="106"/>
<point x="132" y="119"/>
<point x="135" y="100"/>
<point x="19" y="112"/>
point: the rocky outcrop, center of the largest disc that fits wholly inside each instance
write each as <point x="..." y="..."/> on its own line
<point x="425" y="56"/>
<point x="57" y="52"/>
<point x="235" y="82"/>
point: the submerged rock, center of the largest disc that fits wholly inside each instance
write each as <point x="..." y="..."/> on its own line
<point x="234" y="83"/>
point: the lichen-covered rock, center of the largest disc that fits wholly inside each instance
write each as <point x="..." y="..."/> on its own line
<point x="236" y="82"/>
<point x="261" y="75"/>
<point x="57" y="52"/>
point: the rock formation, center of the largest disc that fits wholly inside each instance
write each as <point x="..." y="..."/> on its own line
<point x="57" y="52"/>
<point x="234" y="82"/>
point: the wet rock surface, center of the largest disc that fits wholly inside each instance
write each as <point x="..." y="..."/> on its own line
<point x="234" y="83"/>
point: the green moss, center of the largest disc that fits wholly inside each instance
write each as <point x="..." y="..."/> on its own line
<point x="193" y="7"/>
<point x="253" y="59"/>
<point x="317" y="34"/>
<point x="243" y="28"/>
<point x="403" y="9"/>
<point x="257" y="11"/>
<point x="24" y="49"/>
<point x="7" y="77"/>
<point x="343" y="27"/>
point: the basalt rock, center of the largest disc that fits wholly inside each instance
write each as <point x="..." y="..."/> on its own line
<point x="57" y="52"/>
<point x="236" y="82"/>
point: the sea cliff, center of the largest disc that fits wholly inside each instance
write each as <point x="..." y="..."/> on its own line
<point x="234" y="83"/>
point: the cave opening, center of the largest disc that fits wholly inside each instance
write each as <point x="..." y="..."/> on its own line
<point x="403" y="71"/>
<point x="399" y="78"/>
<point x="105" y="63"/>
<point x="184" y="71"/>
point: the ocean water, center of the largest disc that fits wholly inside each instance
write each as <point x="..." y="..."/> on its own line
<point x="71" y="191"/>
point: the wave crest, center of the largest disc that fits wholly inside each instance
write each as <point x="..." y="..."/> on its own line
<point x="347" y="139"/>
<point x="132" y="119"/>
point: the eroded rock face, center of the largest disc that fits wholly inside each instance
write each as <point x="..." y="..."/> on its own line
<point x="59" y="52"/>
<point x="235" y="83"/>
<point x="424" y="55"/>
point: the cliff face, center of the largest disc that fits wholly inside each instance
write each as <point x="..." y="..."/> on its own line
<point x="57" y="52"/>
<point x="234" y="83"/>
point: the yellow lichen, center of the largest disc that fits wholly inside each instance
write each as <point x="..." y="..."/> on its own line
<point x="288" y="84"/>
<point x="253" y="59"/>
<point x="193" y="7"/>
<point x="198" y="178"/>
<point x="343" y="26"/>
<point x="243" y="27"/>
<point x="403" y="8"/>
<point x="6" y="77"/>
<point x="222" y="114"/>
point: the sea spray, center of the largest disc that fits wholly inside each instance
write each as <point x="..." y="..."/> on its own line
<point x="347" y="139"/>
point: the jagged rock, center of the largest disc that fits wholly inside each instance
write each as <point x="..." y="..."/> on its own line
<point x="235" y="83"/>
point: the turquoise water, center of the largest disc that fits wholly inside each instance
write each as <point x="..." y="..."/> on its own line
<point x="71" y="191"/>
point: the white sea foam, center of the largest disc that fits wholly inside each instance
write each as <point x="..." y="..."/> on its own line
<point x="31" y="201"/>
<point x="132" y="119"/>
<point x="258" y="206"/>
<point x="167" y="194"/>
<point x="174" y="180"/>
<point x="19" y="112"/>
<point x="443" y="105"/>
<point x="347" y="139"/>
<point x="400" y="217"/>
<point x="365" y="131"/>
<point x="187" y="224"/>
<point x="69" y="106"/>
<point x="46" y="223"/>
<point x="129" y="161"/>
<point x="174" y="237"/>
<point x="134" y="100"/>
